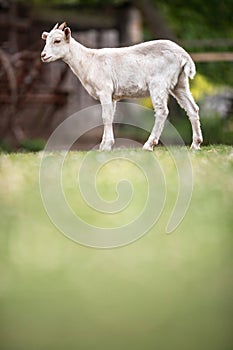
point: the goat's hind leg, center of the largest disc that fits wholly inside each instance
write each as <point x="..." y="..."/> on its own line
<point x="186" y="101"/>
<point x="161" y="112"/>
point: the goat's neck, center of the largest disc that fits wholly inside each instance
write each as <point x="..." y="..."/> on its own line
<point x="78" y="59"/>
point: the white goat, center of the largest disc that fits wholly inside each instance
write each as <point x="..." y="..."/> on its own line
<point x="156" y="68"/>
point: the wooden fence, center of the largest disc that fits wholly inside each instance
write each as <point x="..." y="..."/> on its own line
<point x="212" y="56"/>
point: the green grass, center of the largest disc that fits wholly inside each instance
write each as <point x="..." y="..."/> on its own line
<point x="161" y="292"/>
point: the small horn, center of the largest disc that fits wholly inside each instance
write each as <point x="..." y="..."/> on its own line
<point x="62" y="26"/>
<point x="56" y="26"/>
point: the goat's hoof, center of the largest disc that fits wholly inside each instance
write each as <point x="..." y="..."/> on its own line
<point x="105" y="148"/>
<point x="147" y="147"/>
<point x="195" y="146"/>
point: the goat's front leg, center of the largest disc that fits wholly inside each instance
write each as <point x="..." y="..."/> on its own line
<point x="108" y="110"/>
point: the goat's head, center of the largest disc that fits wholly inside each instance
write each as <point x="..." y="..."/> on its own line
<point x="57" y="43"/>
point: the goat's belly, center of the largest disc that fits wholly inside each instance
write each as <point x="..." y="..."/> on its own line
<point x="134" y="91"/>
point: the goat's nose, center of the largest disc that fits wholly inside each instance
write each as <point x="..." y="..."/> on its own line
<point x="43" y="54"/>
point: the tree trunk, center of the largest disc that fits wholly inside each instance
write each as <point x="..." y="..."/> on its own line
<point x="154" y="19"/>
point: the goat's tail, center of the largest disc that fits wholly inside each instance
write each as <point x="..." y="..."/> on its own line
<point x="189" y="67"/>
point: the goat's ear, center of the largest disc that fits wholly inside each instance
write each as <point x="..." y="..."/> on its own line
<point x="44" y="35"/>
<point x="67" y="32"/>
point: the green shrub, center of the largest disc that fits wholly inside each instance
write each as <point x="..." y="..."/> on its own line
<point x="5" y="147"/>
<point x="216" y="130"/>
<point x="34" y="145"/>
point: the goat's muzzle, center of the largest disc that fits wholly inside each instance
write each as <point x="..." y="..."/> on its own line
<point x="43" y="57"/>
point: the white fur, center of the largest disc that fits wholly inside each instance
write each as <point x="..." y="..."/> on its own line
<point x="156" y="68"/>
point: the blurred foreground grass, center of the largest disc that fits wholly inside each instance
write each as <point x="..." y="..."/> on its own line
<point x="161" y="292"/>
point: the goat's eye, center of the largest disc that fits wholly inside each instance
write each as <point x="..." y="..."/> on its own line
<point x="57" y="41"/>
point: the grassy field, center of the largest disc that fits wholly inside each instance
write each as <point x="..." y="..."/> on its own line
<point x="161" y="292"/>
